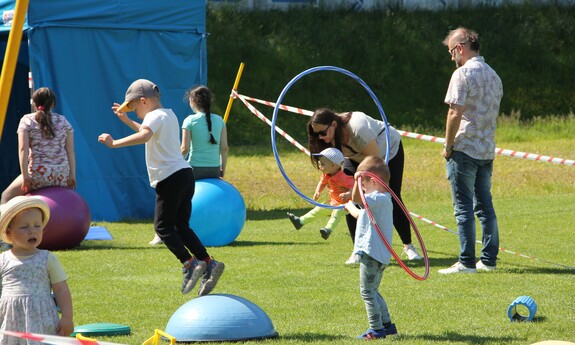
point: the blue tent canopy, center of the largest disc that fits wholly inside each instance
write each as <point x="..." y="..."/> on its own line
<point x="89" y="52"/>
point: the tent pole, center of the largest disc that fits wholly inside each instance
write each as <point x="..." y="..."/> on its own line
<point x="11" y="58"/>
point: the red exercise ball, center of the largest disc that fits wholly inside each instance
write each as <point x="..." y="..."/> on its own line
<point x="69" y="218"/>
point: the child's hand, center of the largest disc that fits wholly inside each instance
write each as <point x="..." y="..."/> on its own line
<point x="27" y="184"/>
<point x="71" y="182"/>
<point x="65" y="327"/>
<point x="345" y="196"/>
<point x="316" y="195"/>
<point x="106" y="139"/>
<point x="358" y="174"/>
<point x="121" y="115"/>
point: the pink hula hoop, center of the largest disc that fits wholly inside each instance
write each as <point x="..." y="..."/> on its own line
<point x="415" y="230"/>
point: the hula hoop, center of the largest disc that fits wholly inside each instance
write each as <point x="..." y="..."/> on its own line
<point x="274" y="120"/>
<point x="415" y="230"/>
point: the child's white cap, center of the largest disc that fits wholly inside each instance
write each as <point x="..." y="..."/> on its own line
<point x="332" y="154"/>
<point x="17" y="204"/>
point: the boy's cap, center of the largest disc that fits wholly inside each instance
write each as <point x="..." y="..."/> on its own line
<point x="332" y="154"/>
<point x="140" y="88"/>
<point x="17" y="204"/>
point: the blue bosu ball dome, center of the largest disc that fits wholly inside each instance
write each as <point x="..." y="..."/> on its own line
<point x="219" y="317"/>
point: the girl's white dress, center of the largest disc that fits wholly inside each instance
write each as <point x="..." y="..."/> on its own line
<point x="26" y="304"/>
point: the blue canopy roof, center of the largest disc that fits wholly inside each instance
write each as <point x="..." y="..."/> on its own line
<point x="89" y="52"/>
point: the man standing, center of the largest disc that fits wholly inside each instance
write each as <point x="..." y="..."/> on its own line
<point x="473" y="96"/>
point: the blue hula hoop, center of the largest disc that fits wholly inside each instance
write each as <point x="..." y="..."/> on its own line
<point x="275" y="115"/>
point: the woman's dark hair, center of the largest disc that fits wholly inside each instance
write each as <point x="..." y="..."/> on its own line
<point x="44" y="101"/>
<point x="325" y="116"/>
<point x="201" y="96"/>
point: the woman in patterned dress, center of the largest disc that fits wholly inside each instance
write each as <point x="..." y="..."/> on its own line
<point x="45" y="149"/>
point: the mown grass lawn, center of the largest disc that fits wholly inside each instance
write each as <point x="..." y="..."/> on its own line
<point x="301" y="281"/>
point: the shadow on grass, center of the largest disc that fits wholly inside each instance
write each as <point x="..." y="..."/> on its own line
<point x="274" y="214"/>
<point x="268" y="243"/>
<point x="503" y="268"/>
<point x="463" y="338"/>
<point x="313" y="337"/>
<point x="537" y="270"/>
<point x="98" y="245"/>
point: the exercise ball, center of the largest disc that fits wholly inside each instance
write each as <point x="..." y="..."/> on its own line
<point x="218" y="212"/>
<point x="220" y="318"/>
<point x="69" y="218"/>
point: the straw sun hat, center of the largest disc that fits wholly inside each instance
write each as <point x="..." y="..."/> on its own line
<point x="17" y="204"/>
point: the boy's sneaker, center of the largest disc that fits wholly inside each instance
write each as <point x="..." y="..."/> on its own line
<point x="353" y="259"/>
<point x="390" y="329"/>
<point x="156" y="240"/>
<point x="480" y="266"/>
<point x="372" y="334"/>
<point x="325" y="232"/>
<point x="411" y="252"/>
<point x="457" y="268"/>
<point x="211" y="276"/>
<point x="295" y="220"/>
<point x="192" y="275"/>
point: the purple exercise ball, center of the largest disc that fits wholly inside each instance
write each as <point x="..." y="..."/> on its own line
<point x="69" y="218"/>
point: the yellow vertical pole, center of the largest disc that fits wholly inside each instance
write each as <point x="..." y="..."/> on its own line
<point x="235" y="88"/>
<point x="11" y="58"/>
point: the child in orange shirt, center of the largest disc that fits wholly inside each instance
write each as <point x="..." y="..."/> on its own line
<point x="330" y="162"/>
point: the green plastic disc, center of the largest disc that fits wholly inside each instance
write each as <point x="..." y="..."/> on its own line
<point x="102" y="328"/>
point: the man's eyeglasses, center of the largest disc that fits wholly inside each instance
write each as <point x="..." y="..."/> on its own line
<point x="322" y="133"/>
<point x="455" y="46"/>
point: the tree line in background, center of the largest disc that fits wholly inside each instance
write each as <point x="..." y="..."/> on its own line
<point x="398" y="54"/>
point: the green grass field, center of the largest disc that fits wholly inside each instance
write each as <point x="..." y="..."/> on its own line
<point x="301" y="281"/>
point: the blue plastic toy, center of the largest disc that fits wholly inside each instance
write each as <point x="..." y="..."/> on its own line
<point x="220" y="318"/>
<point x="526" y="302"/>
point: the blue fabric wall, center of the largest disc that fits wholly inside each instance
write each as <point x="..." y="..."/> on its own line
<point x="89" y="52"/>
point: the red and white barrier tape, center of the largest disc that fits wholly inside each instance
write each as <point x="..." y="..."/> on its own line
<point x="499" y="151"/>
<point x="55" y="339"/>
<point x="245" y="99"/>
<point x="281" y="106"/>
<point x="500" y="248"/>
<point x="266" y="120"/>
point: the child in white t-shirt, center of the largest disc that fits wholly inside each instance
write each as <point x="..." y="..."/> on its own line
<point x="171" y="177"/>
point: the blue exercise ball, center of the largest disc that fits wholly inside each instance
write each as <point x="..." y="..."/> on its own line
<point x="218" y="212"/>
<point x="220" y="317"/>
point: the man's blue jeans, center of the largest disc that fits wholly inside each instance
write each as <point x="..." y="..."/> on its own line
<point x="470" y="181"/>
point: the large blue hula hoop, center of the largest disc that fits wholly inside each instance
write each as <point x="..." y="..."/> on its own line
<point x="275" y="115"/>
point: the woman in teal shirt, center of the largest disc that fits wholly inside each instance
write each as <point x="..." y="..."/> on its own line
<point x="204" y="136"/>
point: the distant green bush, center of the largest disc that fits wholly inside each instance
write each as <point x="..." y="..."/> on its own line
<point x="398" y="54"/>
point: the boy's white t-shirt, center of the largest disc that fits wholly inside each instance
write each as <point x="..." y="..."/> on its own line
<point x="163" y="155"/>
